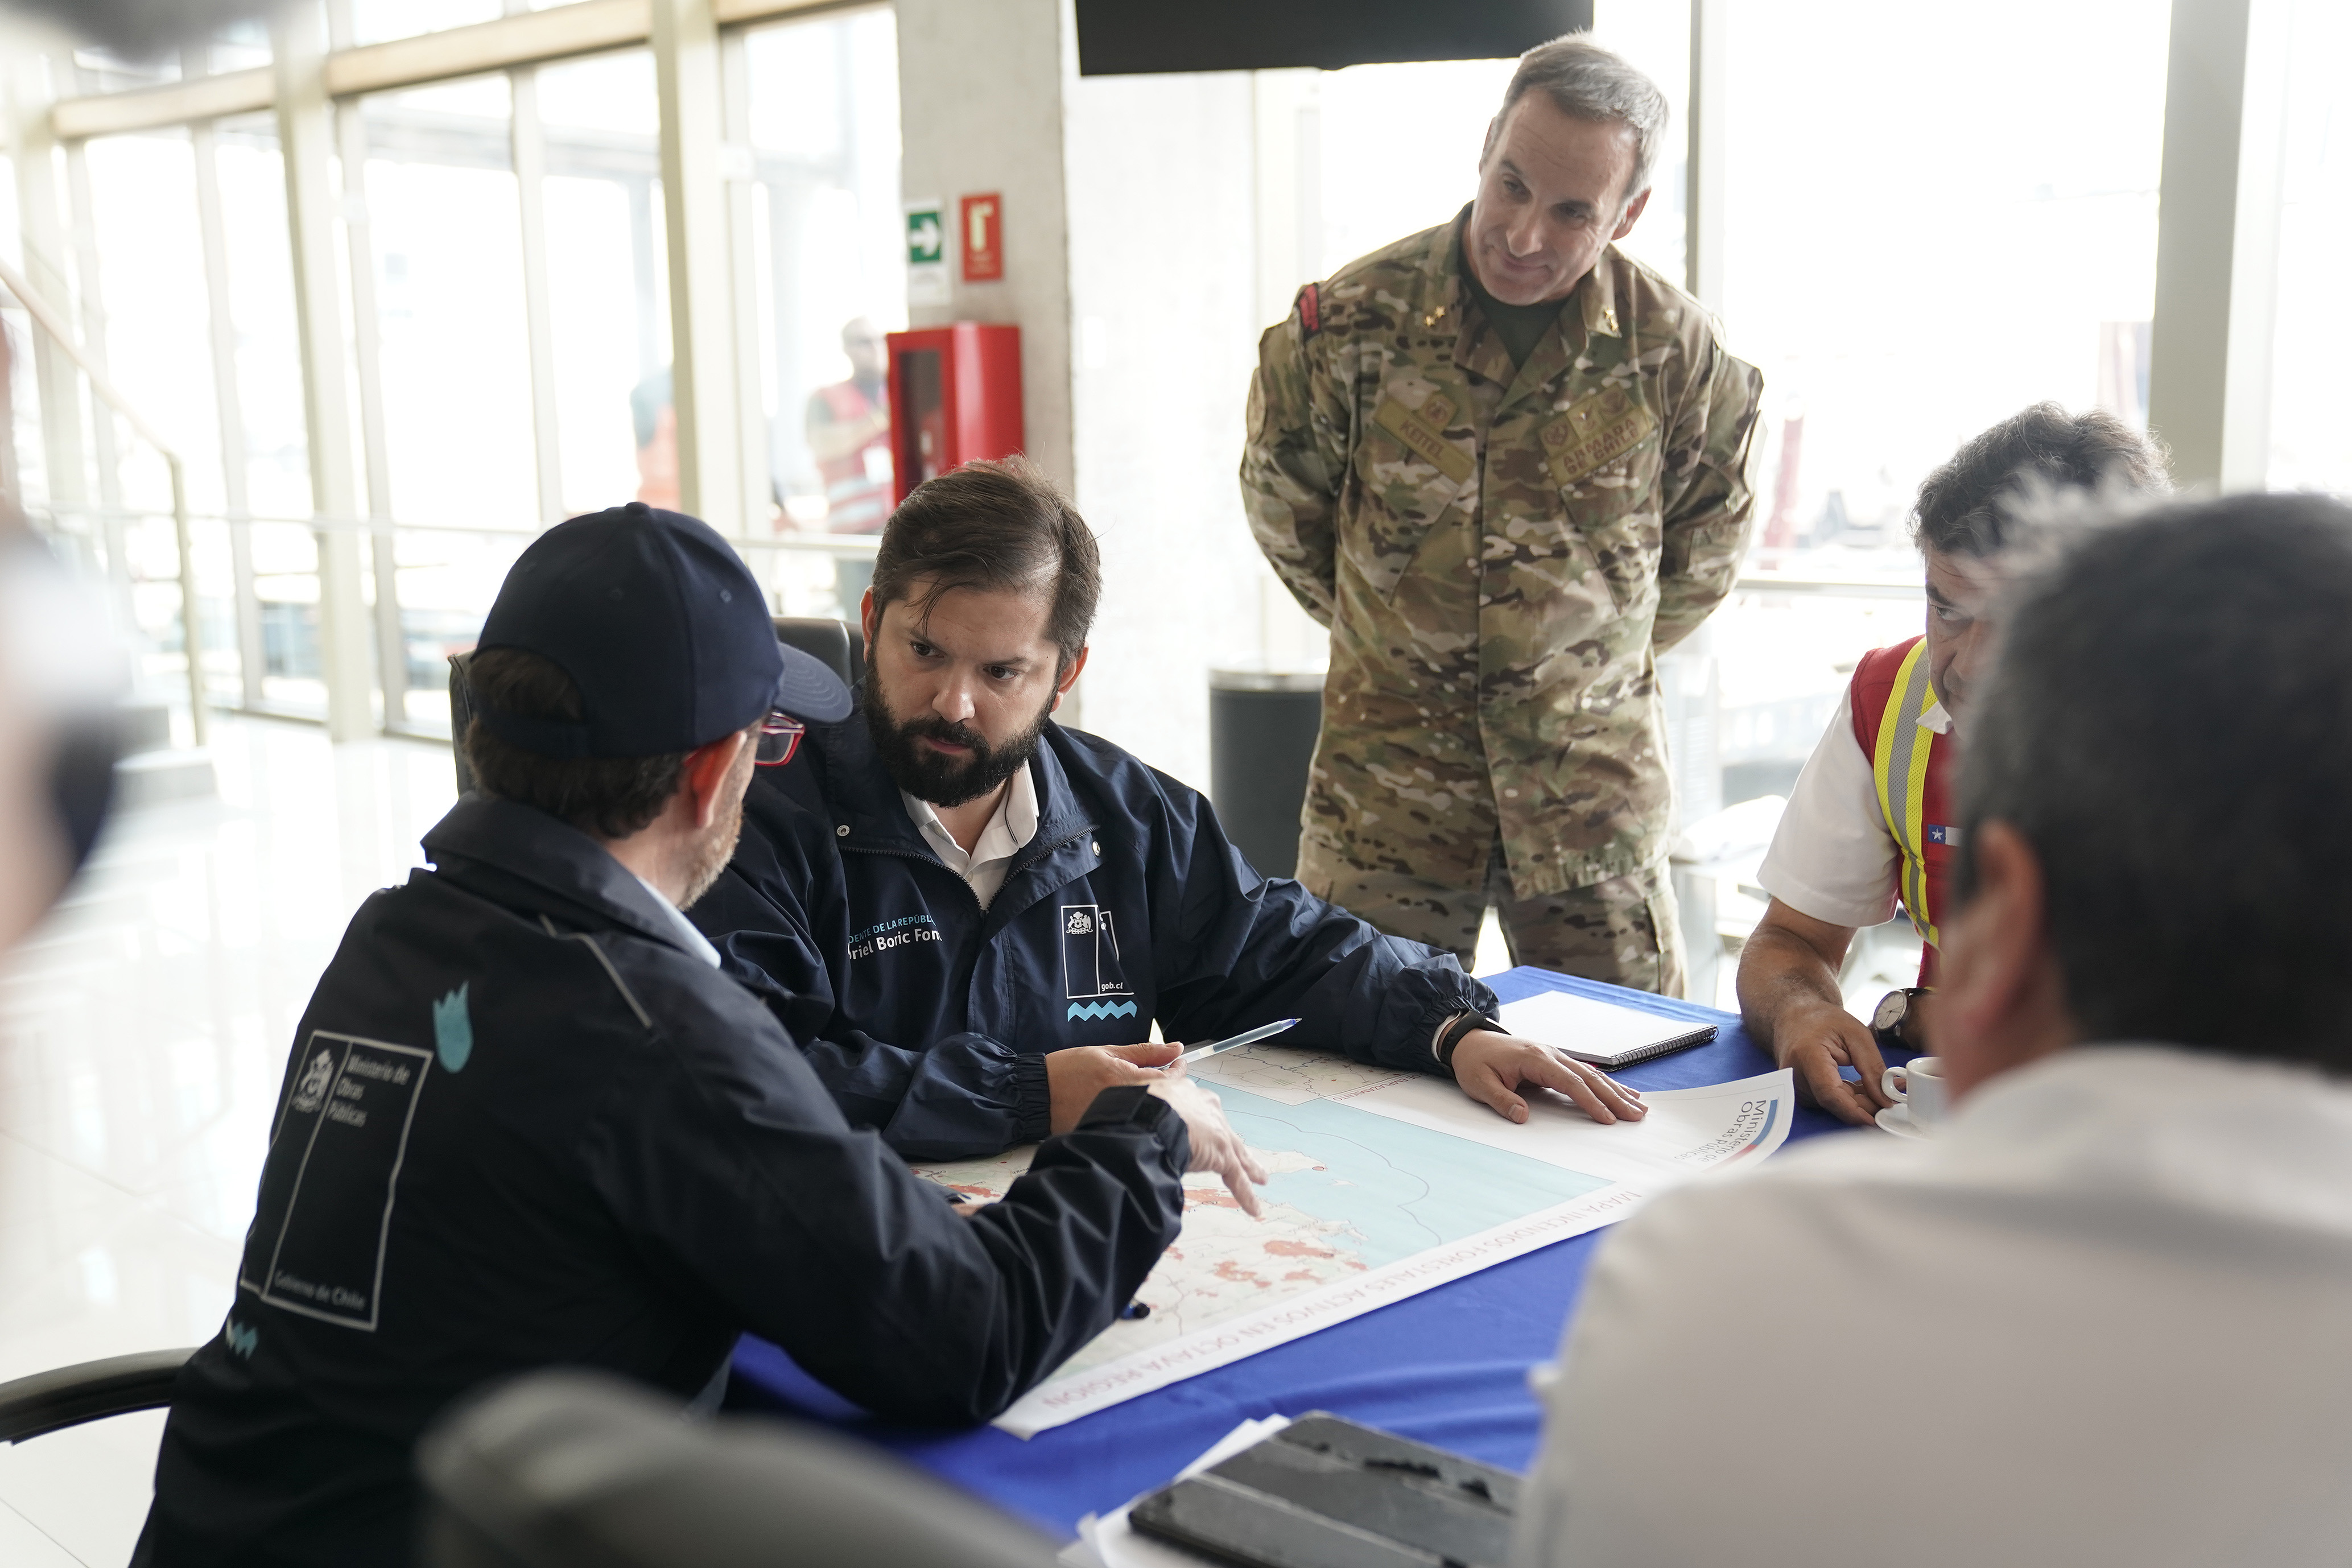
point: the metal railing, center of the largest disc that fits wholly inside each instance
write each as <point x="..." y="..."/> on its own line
<point x="45" y="318"/>
<point x="272" y="636"/>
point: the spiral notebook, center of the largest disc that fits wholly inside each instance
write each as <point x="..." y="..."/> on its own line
<point x="1602" y="1033"/>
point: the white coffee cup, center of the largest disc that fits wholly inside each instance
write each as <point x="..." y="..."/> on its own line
<point x="1919" y="1085"/>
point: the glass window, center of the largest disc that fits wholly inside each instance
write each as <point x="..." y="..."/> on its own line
<point x="261" y="291"/>
<point x="374" y="21"/>
<point x="158" y="350"/>
<point x="2310" y="402"/>
<point x="1927" y="228"/>
<point x="821" y="116"/>
<point x="1386" y="175"/>
<point x="608" y="295"/>
<point x="158" y="318"/>
<point x="269" y="392"/>
<point x="446" y="230"/>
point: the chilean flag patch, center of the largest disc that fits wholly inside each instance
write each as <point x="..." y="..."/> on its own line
<point x="1939" y="833"/>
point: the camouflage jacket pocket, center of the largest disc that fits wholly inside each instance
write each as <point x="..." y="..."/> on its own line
<point x="1409" y="470"/>
<point x="1614" y="510"/>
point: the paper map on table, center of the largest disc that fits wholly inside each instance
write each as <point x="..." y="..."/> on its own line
<point x="1383" y="1184"/>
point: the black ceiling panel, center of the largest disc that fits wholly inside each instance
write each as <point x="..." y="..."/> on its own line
<point x="1126" y="37"/>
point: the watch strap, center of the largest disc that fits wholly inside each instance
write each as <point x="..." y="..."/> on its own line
<point x="1455" y="1033"/>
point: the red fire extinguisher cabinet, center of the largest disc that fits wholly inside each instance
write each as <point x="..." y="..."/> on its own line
<point x="955" y="396"/>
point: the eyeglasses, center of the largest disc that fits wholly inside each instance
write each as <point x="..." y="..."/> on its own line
<point x="780" y="737"/>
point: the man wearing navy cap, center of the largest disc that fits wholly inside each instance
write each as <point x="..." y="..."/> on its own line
<point x="528" y="1122"/>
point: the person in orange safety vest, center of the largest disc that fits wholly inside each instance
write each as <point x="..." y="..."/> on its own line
<point x="1869" y="829"/>
<point x="848" y="427"/>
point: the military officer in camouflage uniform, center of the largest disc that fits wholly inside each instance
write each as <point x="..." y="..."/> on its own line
<point x="1507" y="466"/>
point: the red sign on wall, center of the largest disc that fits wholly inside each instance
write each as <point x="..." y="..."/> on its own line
<point x="983" y="238"/>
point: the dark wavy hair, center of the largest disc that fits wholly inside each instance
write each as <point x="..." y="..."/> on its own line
<point x="993" y="526"/>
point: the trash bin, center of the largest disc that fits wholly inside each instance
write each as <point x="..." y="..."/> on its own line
<point x="1261" y="730"/>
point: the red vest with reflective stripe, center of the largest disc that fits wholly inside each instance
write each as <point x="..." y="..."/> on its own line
<point x="1911" y="772"/>
<point x="856" y="502"/>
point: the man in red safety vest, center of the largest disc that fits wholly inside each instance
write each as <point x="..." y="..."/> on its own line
<point x="848" y="428"/>
<point x="849" y="434"/>
<point x="1869" y="827"/>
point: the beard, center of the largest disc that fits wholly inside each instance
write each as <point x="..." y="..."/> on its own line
<point x="940" y="780"/>
<point x="716" y="847"/>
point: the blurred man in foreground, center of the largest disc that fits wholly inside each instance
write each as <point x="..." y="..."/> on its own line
<point x="59" y="679"/>
<point x="2099" y="1316"/>
<point x="1869" y="826"/>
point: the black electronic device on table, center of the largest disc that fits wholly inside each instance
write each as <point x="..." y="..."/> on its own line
<point x="1327" y="1493"/>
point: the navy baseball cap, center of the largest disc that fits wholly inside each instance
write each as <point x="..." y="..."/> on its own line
<point x="656" y="620"/>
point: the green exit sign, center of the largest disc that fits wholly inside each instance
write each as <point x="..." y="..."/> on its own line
<point x="927" y="237"/>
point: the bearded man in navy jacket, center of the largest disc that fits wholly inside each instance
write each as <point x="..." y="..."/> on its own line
<point x="966" y="915"/>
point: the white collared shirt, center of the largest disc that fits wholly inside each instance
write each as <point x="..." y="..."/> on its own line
<point x="1833" y="856"/>
<point x="1007" y="834"/>
<point x="696" y="943"/>
<point x="2100" y="1317"/>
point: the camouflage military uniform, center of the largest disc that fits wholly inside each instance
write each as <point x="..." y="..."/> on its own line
<point x="1499" y="554"/>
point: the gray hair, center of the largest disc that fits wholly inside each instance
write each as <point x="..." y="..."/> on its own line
<point x="2168" y="724"/>
<point x="1965" y="506"/>
<point x="1589" y="82"/>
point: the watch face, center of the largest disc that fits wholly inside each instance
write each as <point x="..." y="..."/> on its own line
<point x="1890" y="1009"/>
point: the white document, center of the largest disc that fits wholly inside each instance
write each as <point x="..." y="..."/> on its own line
<point x="1111" y="1542"/>
<point x="1595" y="1031"/>
<point x="1384" y="1184"/>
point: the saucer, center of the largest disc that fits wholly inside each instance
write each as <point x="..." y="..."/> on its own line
<point x="1896" y="1119"/>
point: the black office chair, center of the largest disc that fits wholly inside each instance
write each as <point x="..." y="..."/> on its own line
<point x="50" y="1401"/>
<point x="574" y="1469"/>
<point x="840" y="646"/>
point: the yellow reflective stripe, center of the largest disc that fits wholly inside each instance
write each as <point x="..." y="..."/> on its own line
<point x="1915" y="823"/>
<point x="1898" y="767"/>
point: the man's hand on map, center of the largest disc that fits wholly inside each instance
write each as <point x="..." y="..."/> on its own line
<point x="1215" y="1145"/>
<point x="1493" y="1069"/>
<point x="1816" y="1042"/>
<point x="1074" y="1075"/>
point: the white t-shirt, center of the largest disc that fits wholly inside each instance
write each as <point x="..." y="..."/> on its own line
<point x="2104" y="1316"/>
<point x="1832" y="856"/>
<point x="1008" y="832"/>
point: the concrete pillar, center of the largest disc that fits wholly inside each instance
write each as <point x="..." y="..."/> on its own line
<point x="703" y="337"/>
<point x="980" y="88"/>
<point x="2217" y="240"/>
<point x="227" y="400"/>
<point x="1707" y="147"/>
<point x="307" y="144"/>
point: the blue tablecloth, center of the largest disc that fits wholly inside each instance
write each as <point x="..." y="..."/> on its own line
<point x="1448" y="1366"/>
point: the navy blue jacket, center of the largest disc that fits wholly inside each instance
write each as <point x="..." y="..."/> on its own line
<point x="929" y="1017"/>
<point x="523" y="1126"/>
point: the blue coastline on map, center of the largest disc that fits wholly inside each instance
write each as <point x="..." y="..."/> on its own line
<point x="1417" y="1189"/>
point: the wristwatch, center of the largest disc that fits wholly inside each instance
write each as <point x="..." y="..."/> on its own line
<point x="1454" y="1031"/>
<point x="1894" y="1023"/>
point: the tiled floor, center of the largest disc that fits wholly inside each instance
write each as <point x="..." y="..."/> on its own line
<point x="143" y="1033"/>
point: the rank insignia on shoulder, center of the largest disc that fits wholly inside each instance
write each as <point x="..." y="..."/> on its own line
<point x="1310" y="312"/>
